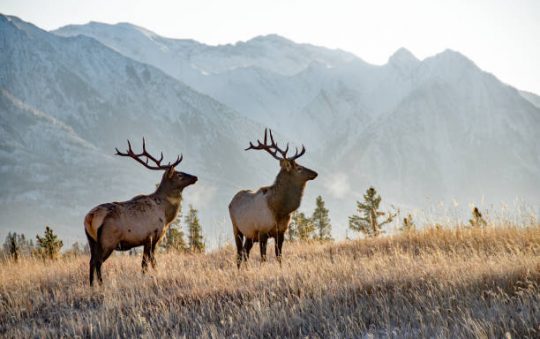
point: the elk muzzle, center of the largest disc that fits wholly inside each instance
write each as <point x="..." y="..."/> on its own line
<point x="189" y="179"/>
<point x="311" y="174"/>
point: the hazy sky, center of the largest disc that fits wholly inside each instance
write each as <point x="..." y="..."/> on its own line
<point x="502" y="37"/>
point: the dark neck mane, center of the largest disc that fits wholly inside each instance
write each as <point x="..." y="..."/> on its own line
<point x="171" y="200"/>
<point x="286" y="194"/>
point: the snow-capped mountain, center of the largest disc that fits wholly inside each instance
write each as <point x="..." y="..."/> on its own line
<point x="531" y="97"/>
<point x="68" y="102"/>
<point x="459" y="133"/>
<point x="438" y="128"/>
<point x="175" y="56"/>
<point x="419" y="130"/>
<point x="254" y="77"/>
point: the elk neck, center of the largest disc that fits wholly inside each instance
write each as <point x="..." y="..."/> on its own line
<point x="170" y="199"/>
<point x="286" y="194"/>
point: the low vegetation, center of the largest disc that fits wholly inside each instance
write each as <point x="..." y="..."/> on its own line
<point x="462" y="282"/>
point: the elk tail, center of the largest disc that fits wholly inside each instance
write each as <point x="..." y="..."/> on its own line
<point x="93" y="221"/>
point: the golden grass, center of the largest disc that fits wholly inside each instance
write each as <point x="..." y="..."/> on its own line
<point x="435" y="283"/>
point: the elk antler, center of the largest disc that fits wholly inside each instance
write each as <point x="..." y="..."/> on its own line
<point x="273" y="148"/>
<point x="148" y="156"/>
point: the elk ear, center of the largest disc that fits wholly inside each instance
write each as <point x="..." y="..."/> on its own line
<point x="286" y="165"/>
<point x="170" y="172"/>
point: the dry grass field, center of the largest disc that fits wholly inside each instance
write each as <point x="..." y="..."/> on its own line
<point x="434" y="283"/>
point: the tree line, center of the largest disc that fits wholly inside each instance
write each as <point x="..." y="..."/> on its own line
<point x="368" y="220"/>
<point x="47" y="246"/>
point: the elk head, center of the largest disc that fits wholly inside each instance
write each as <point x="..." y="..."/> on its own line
<point x="289" y="168"/>
<point x="172" y="181"/>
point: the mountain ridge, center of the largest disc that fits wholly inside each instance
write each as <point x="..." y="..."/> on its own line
<point x="439" y="127"/>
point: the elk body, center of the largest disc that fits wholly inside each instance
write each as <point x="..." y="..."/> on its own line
<point x="266" y="213"/>
<point x="141" y="221"/>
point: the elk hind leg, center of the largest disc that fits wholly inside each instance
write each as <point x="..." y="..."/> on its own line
<point x="92" y="244"/>
<point x="103" y="249"/>
<point x="103" y="254"/>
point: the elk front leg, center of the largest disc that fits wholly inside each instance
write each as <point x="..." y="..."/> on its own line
<point x="263" y="240"/>
<point x="280" y="237"/>
<point x="146" y="257"/>
<point x="239" y="240"/>
<point x="247" y="248"/>
<point x="153" y="261"/>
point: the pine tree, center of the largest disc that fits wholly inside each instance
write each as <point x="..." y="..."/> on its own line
<point x="477" y="219"/>
<point x="196" y="241"/>
<point x="12" y="247"/>
<point x="49" y="245"/>
<point x="300" y="227"/>
<point x="17" y="246"/>
<point x="306" y="229"/>
<point x="321" y="220"/>
<point x="292" y="231"/>
<point x="174" y="238"/>
<point x="408" y="224"/>
<point x="368" y="214"/>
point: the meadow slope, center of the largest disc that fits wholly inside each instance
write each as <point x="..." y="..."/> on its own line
<point x="434" y="283"/>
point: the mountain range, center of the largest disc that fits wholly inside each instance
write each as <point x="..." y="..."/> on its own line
<point x="420" y="131"/>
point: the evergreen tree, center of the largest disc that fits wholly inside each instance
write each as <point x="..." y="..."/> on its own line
<point x="12" y="247"/>
<point x="321" y="220"/>
<point x="16" y="246"/>
<point x="368" y="214"/>
<point x="292" y="231"/>
<point x="49" y="245"/>
<point x="174" y="238"/>
<point x="306" y="229"/>
<point x="477" y="219"/>
<point x="408" y="224"/>
<point x="300" y="227"/>
<point x="196" y="241"/>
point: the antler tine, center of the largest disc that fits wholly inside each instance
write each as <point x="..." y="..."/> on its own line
<point x="298" y="155"/>
<point x="265" y="146"/>
<point x="148" y="156"/>
<point x="178" y="160"/>
<point x="286" y="151"/>
<point x="271" y="137"/>
<point x="273" y="147"/>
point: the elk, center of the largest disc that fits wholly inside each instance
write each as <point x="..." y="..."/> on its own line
<point x="141" y="221"/>
<point x="266" y="213"/>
